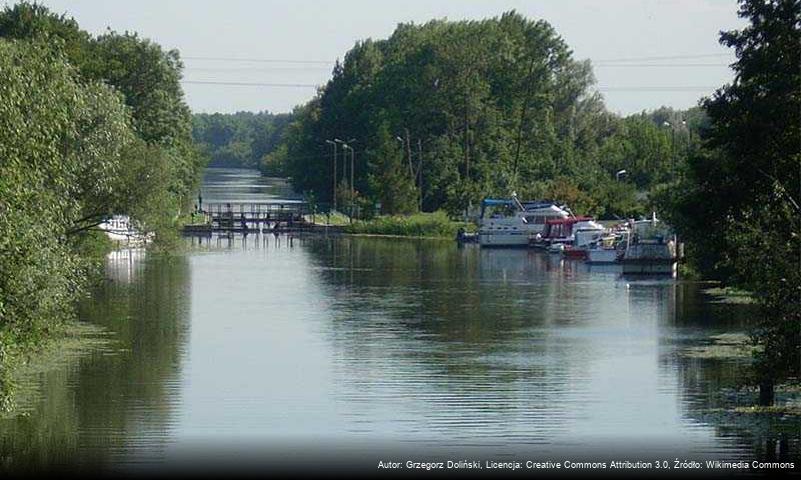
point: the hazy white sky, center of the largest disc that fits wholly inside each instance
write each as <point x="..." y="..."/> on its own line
<point x="605" y="31"/>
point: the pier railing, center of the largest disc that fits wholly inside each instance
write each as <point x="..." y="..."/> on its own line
<point x="255" y="215"/>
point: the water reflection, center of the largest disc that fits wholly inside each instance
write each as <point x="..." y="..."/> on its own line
<point x="509" y="347"/>
<point x="112" y="406"/>
<point x="357" y="344"/>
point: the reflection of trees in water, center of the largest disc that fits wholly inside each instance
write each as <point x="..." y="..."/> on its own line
<point x="102" y="407"/>
<point x="713" y="387"/>
<point x="462" y="330"/>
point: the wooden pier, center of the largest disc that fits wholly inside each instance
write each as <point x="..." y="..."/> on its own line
<point x="253" y="217"/>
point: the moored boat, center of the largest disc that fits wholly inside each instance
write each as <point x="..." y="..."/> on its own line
<point x="120" y="228"/>
<point x="651" y="248"/>
<point x="511" y="223"/>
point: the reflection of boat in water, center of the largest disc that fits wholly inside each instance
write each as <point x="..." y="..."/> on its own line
<point x="510" y="223"/>
<point x="651" y="248"/>
<point x="122" y="265"/>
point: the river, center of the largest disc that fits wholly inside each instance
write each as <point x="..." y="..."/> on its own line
<point x="279" y="350"/>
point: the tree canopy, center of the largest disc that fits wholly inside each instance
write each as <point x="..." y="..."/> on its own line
<point x="477" y="108"/>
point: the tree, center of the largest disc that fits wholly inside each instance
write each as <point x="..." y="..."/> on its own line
<point x="62" y="144"/>
<point x="146" y="77"/>
<point x="389" y="177"/>
<point x="739" y="208"/>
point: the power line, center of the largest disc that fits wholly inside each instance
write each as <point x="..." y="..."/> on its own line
<point x="255" y="69"/>
<point x="329" y="62"/>
<point x="258" y="60"/>
<point x="249" y="84"/>
<point x="665" y="57"/>
<point x="658" y="65"/>
<point x="600" y="87"/>
<point x="325" y="69"/>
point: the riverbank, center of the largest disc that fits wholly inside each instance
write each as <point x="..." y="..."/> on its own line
<point x="23" y="367"/>
<point x="420" y="225"/>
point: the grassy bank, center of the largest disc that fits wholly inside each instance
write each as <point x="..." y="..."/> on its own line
<point x="729" y="295"/>
<point x="428" y="225"/>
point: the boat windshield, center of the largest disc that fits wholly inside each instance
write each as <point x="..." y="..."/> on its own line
<point x="499" y="211"/>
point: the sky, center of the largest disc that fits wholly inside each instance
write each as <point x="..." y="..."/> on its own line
<point x="242" y="41"/>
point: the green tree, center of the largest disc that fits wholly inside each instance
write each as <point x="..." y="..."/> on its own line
<point x="389" y="176"/>
<point x="739" y="208"/>
<point x="62" y="144"/>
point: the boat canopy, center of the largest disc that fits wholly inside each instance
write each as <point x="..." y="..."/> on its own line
<point x="491" y="202"/>
<point x="562" y="227"/>
<point x="511" y="202"/>
<point x="567" y="221"/>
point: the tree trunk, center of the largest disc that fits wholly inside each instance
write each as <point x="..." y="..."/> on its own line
<point x="766" y="393"/>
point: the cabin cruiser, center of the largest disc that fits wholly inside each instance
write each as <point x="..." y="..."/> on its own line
<point x="651" y="248"/>
<point x="120" y="228"/>
<point x="511" y="223"/>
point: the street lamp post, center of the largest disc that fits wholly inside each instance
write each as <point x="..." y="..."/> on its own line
<point x="344" y="159"/>
<point x="346" y="146"/>
<point x="334" y="191"/>
<point x="672" y="149"/>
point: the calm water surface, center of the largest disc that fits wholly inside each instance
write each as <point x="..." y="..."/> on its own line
<point x="364" y="346"/>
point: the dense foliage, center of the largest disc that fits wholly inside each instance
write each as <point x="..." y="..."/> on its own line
<point x="433" y="225"/>
<point x="242" y="139"/>
<point x="738" y="207"/>
<point x="89" y="127"/>
<point x="446" y="113"/>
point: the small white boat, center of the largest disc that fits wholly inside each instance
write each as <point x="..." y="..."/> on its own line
<point x="120" y="229"/>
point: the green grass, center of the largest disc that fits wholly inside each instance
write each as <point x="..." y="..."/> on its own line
<point x="428" y="225"/>
<point x="336" y="219"/>
<point x="729" y="295"/>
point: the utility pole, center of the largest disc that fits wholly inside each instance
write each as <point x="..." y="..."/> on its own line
<point x="334" y="190"/>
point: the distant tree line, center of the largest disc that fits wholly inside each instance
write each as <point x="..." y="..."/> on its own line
<point x="446" y="113"/>
<point x="242" y="139"/>
<point x="90" y="126"/>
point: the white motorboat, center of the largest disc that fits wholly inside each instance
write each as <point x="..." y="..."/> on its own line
<point x="511" y="223"/>
<point x="120" y="228"/>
